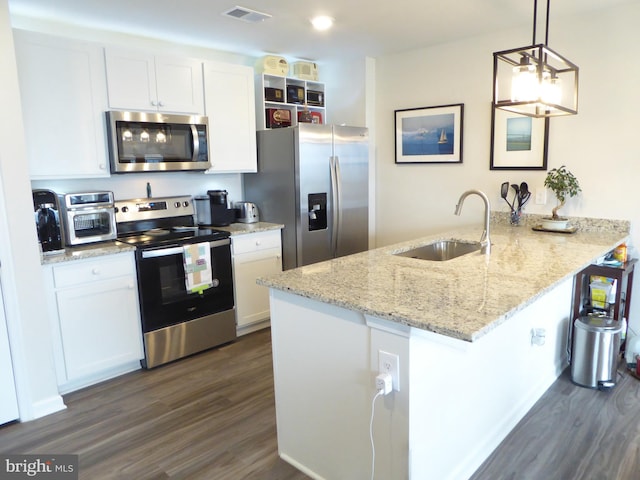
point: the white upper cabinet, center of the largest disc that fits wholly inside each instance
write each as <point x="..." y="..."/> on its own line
<point x="63" y="95"/>
<point x="142" y="81"/>
<point x="230" y="108"/>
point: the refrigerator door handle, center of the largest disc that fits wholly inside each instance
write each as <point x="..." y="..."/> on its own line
<point x="335" y="194"/>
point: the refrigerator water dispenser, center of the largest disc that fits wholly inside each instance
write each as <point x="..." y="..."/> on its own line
<point x="317" y="211"/>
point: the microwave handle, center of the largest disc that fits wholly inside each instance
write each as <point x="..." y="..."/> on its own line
<point x="165" y="252"/>
<point x="196" y="143"/>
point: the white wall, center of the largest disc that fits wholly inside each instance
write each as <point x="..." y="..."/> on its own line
<point x="22" y="285"/>
<point x="599" y="144"/>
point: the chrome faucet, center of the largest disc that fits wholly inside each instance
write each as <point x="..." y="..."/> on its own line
<point x="485" y="239"/>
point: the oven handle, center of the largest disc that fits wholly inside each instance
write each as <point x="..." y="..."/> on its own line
<point x="164" y="252"/>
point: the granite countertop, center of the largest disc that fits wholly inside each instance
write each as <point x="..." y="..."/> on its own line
<point x="465" y="297"/>
<point x="113" y="247"/>
<point x="244" y="228"/>
<point x="87" y="251"/>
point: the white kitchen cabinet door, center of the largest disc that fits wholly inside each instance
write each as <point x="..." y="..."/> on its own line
<point x="230" y="107"/>
<point x="100" y="326"/>
<point x="8" y="399"/>
<point x="96" y="319"/>
<point x="63" y="94"/>
<point x="131" y="80"/>
<point x="252" y="300"/>
<point x="142" y="81"/>
<point x="254" y="255"/>
<point x="180" y="86"/>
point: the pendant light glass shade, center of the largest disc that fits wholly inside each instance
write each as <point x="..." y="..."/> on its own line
<point x="535" y="81"/>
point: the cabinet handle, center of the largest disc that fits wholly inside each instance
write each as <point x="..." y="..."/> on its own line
<point x="154" y="103"/>
<point x="95" y="271"/>
<point x="258" y="243"/>
<point x="161" y="104"/>
<point x="102" y="166"/>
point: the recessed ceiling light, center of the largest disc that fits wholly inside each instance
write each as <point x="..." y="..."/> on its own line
<point x="322" y="22"/>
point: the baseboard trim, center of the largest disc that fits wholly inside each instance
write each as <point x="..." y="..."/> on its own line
<point x="45" y="407"/>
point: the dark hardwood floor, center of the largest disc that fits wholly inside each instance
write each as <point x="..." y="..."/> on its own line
<point x="573" y="433"/>
<point x="212" y="417"/>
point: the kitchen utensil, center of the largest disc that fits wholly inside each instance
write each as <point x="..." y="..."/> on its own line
<point x="516" y="189"/>
<point x="504" y="189"/>
<point x="524" y="192"/>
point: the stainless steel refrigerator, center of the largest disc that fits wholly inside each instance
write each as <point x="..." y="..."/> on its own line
<point x="314" y="180"/>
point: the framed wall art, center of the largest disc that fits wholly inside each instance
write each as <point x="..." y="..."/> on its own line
<point x="429" y="134"/>
<point x="518" y="142"/>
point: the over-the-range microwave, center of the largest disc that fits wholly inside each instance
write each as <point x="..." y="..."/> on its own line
<point x="148" y="142"/>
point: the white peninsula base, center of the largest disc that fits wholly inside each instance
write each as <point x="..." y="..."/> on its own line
<point x="457" y="400"/>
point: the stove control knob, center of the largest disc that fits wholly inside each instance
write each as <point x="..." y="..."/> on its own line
<point x="185" y="204"/>
<point x="176" y="204"/>
<point x="125" y="209"/>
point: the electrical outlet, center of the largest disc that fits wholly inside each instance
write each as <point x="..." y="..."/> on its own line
<point x="541" y="196"/>
<point x="390" y="363"/>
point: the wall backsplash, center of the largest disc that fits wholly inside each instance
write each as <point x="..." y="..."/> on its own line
<point x="162" y="184"/>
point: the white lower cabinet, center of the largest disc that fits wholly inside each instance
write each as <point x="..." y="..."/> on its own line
<point x="96" y="319"/>
<point x="254" y="255"/>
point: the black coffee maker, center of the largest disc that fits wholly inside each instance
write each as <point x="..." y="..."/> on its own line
<point x="47" y="217"/>
<point x="221" y="215"/>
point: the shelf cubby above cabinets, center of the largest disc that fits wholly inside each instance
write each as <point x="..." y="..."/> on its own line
<point x="282" y="101"/>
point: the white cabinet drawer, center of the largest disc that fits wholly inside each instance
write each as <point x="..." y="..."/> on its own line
<point x="254" y="242"/>
<point x="92" y="270"/>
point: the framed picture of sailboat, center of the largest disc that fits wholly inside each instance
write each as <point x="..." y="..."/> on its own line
<point x="518" y="142"/>
<point x="429" y="134"/>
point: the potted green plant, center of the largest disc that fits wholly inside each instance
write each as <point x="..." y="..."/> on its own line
<point x="564" y="185"/>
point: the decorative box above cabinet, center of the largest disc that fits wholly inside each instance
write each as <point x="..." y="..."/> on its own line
<point x="64" y="95"/>
<point x="287" y="101"/>
<point x="143" y="81"/>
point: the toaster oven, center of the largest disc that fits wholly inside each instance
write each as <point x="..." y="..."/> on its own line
<point x="88" y="217"/>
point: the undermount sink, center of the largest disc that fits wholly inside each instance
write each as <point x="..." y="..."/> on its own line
<point x="442" y="250"/>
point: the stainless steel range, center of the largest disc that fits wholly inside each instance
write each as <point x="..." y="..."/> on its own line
<point x="185" y="279"/>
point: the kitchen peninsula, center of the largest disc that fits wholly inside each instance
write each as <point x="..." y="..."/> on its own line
<point x="478" y="338"/>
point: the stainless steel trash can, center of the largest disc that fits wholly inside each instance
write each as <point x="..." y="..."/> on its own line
<point x="594" y="356"/>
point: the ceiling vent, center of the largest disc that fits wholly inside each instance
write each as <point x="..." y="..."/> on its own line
<point x="246" y="14"/>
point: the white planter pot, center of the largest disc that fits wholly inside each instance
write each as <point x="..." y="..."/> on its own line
<point x="551" y="224"/>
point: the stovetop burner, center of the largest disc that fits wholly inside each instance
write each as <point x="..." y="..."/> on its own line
<point x="161" y="221"/>
<point x="176" y="235"/>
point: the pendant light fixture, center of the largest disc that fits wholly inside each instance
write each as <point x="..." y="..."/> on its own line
<point x="535" y="81"/>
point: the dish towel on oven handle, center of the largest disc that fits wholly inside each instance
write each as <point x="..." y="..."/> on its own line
<point x="197" y="267"/>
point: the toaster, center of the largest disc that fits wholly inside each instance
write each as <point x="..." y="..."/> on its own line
<point x="246" y="212"/>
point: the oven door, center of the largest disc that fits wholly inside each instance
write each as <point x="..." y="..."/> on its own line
<point x="164" y="298"/>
